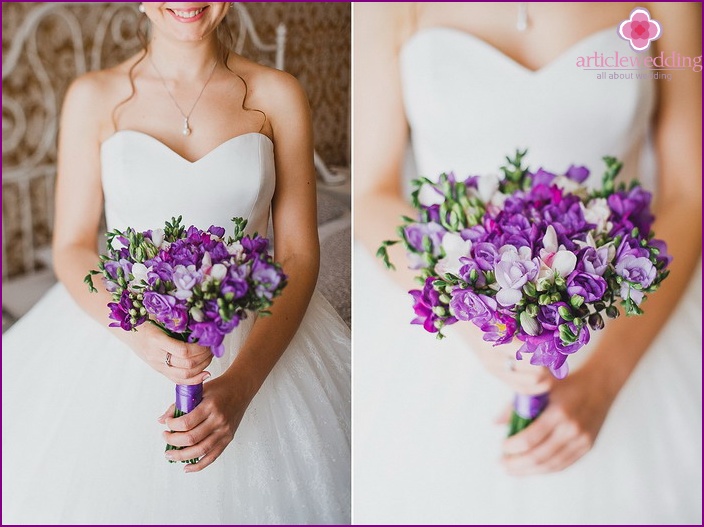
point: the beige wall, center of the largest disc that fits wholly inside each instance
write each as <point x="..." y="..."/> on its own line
<point x="317" y="53"/>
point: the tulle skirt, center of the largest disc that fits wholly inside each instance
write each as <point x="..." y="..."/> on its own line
<point x="427" y="448"/>
<point x="81" y="443"/>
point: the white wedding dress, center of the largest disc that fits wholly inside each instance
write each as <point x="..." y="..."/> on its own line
<point x="426" y="446"/>
<point x="81" y="444"/>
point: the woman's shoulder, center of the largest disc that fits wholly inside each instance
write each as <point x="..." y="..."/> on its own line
<point x="274" y="91"/>
<point x="95" y="93"/>
<point x="106" y="82"/>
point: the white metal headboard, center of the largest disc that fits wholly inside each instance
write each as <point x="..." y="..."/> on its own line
<point x="37" y="164"/>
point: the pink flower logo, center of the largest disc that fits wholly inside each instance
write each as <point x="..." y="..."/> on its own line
<point x="640" y="29"/>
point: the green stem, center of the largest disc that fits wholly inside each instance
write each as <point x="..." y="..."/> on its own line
<point x="517" y="423"/>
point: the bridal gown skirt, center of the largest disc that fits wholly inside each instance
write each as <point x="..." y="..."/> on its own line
<point x="81" y="443"/>
<point x="427" y="448"/>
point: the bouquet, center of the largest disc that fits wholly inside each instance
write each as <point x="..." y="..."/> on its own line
<point x="533" y="256"/>
<point x="192" y="284"/>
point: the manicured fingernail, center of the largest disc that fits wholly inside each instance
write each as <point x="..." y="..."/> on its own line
<point x="169" y="456"/>
<point x="207" y="375"/>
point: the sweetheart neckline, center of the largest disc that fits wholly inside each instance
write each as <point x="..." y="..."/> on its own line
<point x="507" y="58"/>
<point x="167" y="147"/>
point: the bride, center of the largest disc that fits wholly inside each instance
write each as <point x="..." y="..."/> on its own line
<point x="467" y="84"/>
<point x="183" y="128"/>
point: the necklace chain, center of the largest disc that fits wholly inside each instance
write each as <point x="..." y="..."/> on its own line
<point x="186" y="127"/>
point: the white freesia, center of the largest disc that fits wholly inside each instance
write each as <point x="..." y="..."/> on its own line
<point x="158" y="237"/>
<point x="428" y="196"/>
<point x="487" y="187"/>
<point x="206" y="262"/>
<point x="455" y="247"/>
<point x="235" y="249"/>
<point x="139" y="271"/>
<point x="597" y="212"/>
<point x="197" y="314"/>
<point x="554" y="260"/>
<point x="218" y="271"/>
<point x="116" y="244"/>
<point x="570" y="185"/>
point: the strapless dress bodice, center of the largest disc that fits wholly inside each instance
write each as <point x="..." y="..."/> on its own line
<point x="469" y="105"/>
<point x="146" y="183"/>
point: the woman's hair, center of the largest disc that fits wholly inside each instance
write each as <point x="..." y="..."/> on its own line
<point x="226" y="42"/>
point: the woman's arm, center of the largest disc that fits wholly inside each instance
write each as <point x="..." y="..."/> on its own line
<point x="579" y="404"/>
<point x="380" y="140"/>
<point x="79" y="205"/>
<point x="380" y="130"/>
<point x="208" y="429"/>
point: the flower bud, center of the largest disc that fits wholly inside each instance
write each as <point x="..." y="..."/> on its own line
<point x="565" y="313"/>
<point x="529" y="289"/>
<point x="532" y="310"/>
<point x="529" y="324"/>
<point x="445" y="299"/>
<point x="596" y="321"/>
<point x="566" y="335"/>
<point x="560" y="282"/>
<point x="544" y="300"/>
<point x="440" y="311"/>
<point x="576" y="300"/>
<point x="612" y="312"/>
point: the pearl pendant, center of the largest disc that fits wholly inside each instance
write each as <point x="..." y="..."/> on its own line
<point x="186" y="130"/>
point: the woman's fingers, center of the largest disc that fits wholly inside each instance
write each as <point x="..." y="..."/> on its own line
<point x="529" y="438"/>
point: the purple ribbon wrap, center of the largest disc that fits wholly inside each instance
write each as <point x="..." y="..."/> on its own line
<point x="188" y="396"/>
<point x="530" y="406"/>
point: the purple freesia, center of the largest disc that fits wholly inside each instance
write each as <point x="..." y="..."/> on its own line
<point x="577" y="174"/>
<point x="549" y="317"/>
<point x="216" y="231"/>
<point x="185" y="279"/>
<point x="266" y="278"/>
<point x="469" y="306"/>
<point x="207" y="334"/>
<point x="638" y="271"/>
<point x="120" y="311"/>
<point x="593" y="261"/>
<point x="416" y="232"/>
<point x="176" y="320"/>
<point x="544" y="353"/>
<point x="513" y="271"/>
<point x="158" y="305"/>
<point x="631" y="209"/>
<point x="590" y="287"/>
<point x="543" y="178"/>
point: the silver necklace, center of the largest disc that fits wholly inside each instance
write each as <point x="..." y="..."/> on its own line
<point x="186" y="130"/>
<point x="522" y="21"/>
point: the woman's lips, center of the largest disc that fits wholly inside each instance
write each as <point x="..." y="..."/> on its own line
<point x="188" y="15"/>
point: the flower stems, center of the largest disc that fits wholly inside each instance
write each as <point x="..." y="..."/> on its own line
<point x="526" y="409"/>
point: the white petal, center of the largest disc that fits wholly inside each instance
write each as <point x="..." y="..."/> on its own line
<point x="218" y="271"/>
<point x="428" y="196"/>
<point x="508" y="297"/>
<point x="564" y="263"/>
<point x="139" y="270"/>
<point x="550" y="239"/>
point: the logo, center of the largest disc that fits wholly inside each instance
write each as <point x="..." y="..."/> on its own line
<point x="640" y="30"/>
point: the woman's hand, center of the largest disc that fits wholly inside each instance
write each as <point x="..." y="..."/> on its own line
<point x="207" y="430"/>
<point x="186" y="361"/>
<point x="519" y="375"/>
<point x="565" y="431"/>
